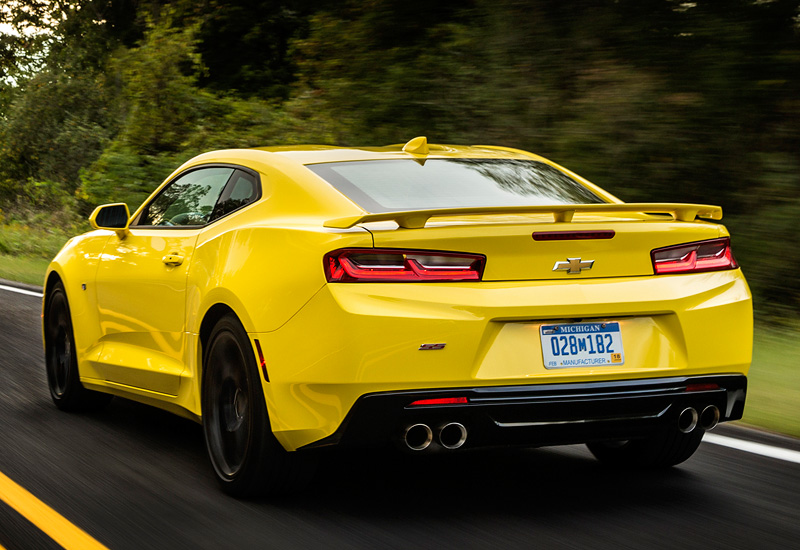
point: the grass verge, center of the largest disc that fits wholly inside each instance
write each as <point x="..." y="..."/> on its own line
<point x="773" y="392"/>
<point x="24" y="269"/>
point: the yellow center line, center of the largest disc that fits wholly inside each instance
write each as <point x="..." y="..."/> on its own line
<point x="50" y="522"/>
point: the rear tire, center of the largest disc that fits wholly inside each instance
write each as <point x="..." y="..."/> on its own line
<point x="61" y="361"/>
<point x="662" y="450"/>
<point x="247" y="459"/>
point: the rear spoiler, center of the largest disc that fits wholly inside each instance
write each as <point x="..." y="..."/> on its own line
<point x="416" y="219"/>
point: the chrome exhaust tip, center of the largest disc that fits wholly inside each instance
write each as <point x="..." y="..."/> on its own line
<point x="418" y="437"/>
<point x="687" y="420"/>
<point x="709" y="418"/>
<point x="452" y="435"/>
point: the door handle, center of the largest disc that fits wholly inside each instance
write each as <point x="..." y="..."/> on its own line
<point x="172" y="259"/>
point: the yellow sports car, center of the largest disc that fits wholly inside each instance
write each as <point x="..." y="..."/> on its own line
<point x="438" y="297"/>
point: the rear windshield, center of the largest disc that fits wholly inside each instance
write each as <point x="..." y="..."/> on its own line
<point x="406" y="184"/>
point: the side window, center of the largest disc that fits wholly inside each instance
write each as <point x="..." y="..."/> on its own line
<point x="241" y="190"/>
<point x="189" y="200"/>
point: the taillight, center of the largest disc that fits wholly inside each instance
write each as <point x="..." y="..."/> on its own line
<point x="712" y="255"/>
<point x="376" y="265"/>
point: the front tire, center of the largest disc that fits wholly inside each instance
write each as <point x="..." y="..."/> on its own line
<point x="61" y="361"/>
<point x="246" y="457"/>
<point x="662" y="450"/>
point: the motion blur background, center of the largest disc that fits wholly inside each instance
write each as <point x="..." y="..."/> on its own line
<point x="654" y="100"/>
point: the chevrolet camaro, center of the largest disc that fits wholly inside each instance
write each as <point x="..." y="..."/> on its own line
<point x="435" y="297"/>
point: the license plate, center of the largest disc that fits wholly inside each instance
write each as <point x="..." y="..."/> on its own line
<point x="582" y="345"/>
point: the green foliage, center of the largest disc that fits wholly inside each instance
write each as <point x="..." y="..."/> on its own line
<point x="39" y="221"/>
<point x="123" y="175"/>
<point x="33" y="241"/>
<point x="159" y="78"/>
<point x="23" y="47"/>
<point x="55" y="125"/>
<point x="654" y="100"/>
<point x="357" y="69"/>
<point x="167" y="119"/>
<point x="256" y="33"/>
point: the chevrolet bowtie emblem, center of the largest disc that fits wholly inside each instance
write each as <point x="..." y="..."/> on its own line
<point x="573" y="265"/>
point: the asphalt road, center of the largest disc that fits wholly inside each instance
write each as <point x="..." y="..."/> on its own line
<point x="137" y="478"/>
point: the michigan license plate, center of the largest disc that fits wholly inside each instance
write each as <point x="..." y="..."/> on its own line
<point x="581" y="345"/>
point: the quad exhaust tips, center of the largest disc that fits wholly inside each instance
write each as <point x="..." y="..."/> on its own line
<point x="709" y="418"/>
<point x="689" y="419"/>
<point x="418" y="437"/>
<point x="450" y="436"/>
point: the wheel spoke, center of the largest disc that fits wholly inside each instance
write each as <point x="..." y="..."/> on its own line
<point x="229" y="437"/>
<point x="59" y="346"/>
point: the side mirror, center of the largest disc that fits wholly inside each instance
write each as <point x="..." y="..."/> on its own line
<point x="114" y="217"/>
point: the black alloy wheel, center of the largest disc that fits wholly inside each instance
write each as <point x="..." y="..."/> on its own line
<point x="61" y="361"/>
<point x="246" y="457"/>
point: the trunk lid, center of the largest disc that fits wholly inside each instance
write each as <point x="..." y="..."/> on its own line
<point x="534" y="247"/>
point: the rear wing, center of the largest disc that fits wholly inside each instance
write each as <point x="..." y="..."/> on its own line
<point x="416" y="219"/>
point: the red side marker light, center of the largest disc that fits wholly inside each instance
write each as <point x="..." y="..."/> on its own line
<point x="441" y="401"/>
<point x="261" y="362"/>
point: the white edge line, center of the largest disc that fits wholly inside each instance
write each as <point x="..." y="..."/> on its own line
<point x="21" y="291"/>
<point x="756" y="448"/>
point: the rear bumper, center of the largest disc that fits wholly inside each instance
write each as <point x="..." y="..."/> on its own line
<point x="539" y="415"/>
<point x="356" y="340"/>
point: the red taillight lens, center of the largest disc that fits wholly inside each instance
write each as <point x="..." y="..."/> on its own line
<point x="712" y="255"/>
<point x="376" y="265"/>
<point x="441" y="401"/>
